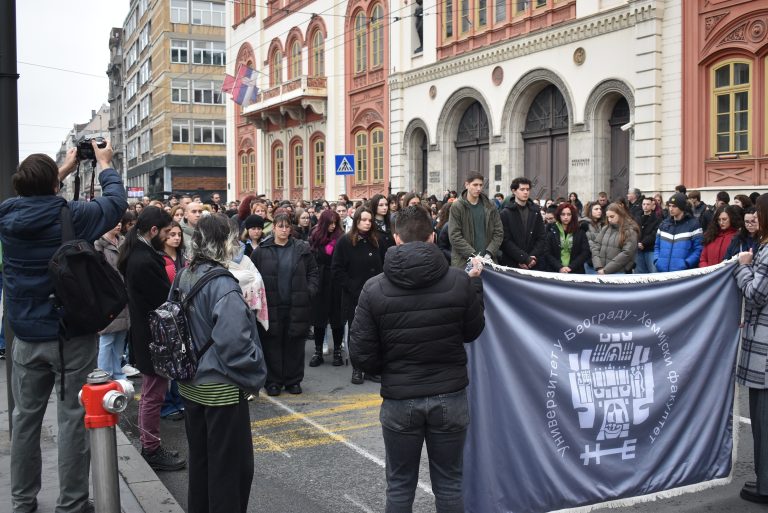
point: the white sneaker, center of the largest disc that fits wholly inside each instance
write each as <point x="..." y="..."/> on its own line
<point x="130" y="371"/>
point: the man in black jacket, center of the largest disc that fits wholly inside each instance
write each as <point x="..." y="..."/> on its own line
<point x="410" y="327"/>
<point x="143" y="267"/>
<point x="524" y="242"/>
<point x="649" y="224"/>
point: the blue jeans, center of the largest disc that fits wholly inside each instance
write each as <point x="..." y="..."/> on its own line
<point x="2" y="317"/>
<point x="111" y="346"/>
<point x="442" y="421"/>
<point x="173" y="402"/>
<point x="644" y="262"/>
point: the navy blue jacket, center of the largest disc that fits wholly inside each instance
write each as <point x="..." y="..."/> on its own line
<point x="30" y="230"/>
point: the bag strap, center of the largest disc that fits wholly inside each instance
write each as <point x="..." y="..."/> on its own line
<point x="210" y="275"/>
<point x="67" y="227"/>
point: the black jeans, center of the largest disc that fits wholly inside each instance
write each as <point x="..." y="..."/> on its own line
<point x="284" y="355"/>
<point x="442" y="421"/>
<point x="220" y="457"/>
<point x="758" y="414"/>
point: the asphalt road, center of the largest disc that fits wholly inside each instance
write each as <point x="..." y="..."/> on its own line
<point x="322" y="452"/>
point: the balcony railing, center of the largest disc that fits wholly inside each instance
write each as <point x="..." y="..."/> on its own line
<point x="287" y="92"/>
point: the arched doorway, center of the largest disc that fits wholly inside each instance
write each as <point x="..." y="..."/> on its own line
<point x="417" y="158"/>
<point x="619" y="172"/>
<point x="546" y="144"/>
<point x="472" y="140"/>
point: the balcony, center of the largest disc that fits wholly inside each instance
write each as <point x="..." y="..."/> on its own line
<point x="290" y="98"/>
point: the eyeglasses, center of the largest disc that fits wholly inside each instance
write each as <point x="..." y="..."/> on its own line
<point x="750" y="222"/>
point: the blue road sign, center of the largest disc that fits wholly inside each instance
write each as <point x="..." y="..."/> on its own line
<point x="345" y="164"/>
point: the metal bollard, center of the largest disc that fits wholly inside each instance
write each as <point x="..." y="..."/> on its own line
<point x="103" y="399"/>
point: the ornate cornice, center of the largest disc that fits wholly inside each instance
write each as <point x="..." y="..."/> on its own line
<point x="568" y="33"/>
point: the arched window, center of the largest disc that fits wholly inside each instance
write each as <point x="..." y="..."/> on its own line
<point x="377" y="36"/>
<point x="298" y="165"/>
<point x="277" y="68"/>
<point x="377" y="149"/>
<point x="318" y="162"/>
<point x="252" y="170"/>
<point x="361" y="156"/>
<point x="361" y="43"/>
<point x="244" y="172"/>
<point x="731" y="103"/>
<point x="295" y="60"/>
<point x="318" y="54"/>
<point x="279" y="167"/>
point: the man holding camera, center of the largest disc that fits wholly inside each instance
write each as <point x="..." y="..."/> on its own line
<point x="30" y="231"/>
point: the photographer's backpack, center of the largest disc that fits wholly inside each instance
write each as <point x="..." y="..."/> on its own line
<point x="89" y="293"/>
<point x="172" y="349"/>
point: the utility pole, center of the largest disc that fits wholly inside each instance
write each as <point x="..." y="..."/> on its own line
<point x="9" y="138"/>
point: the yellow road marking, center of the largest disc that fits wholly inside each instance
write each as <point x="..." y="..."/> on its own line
<point x="290" y="432"/>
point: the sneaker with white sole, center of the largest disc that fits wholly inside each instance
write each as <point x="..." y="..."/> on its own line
<point x="130" y="371"/>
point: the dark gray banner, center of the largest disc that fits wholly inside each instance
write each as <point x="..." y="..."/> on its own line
<point x="582" y="393"/>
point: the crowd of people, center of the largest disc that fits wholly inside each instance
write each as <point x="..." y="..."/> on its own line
<point x="369" y="276"/>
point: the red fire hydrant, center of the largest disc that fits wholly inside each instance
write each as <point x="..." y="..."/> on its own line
<point x="103" y="399"/>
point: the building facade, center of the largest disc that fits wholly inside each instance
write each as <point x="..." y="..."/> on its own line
<point x="725" y="88"/>
<point x="579" y="95"/>
<point x="174" y="130"/>
<point x="322" y="70"/>
<point x="97" y="126"/>
<point x="115" y="99"/>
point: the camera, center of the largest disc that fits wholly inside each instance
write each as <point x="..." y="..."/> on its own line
<point x="85" y="149"/>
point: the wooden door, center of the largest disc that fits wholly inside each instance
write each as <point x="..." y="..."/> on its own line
<point x="619" y="173"/>
<point x="472" y="145"/>
<point x="546" y="145"/>
<point x="538" y="168"/>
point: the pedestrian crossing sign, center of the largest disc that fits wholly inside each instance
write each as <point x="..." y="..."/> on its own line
<point x="345" y="164"/>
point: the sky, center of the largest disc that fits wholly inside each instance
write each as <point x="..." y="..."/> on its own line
<point x="70" y="35"/>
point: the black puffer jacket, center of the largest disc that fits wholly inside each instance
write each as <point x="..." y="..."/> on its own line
<point x="304" y="283"/>
<point x="412" y="322"/>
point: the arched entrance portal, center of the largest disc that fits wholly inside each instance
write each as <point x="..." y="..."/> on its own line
<point x="472" y="141"/>
<point x="619" y="172"/>
<point x="546" y="145"/>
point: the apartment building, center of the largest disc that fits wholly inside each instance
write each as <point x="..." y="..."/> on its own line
<point x="174" y="133"/>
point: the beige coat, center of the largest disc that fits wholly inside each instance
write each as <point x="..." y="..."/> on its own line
<point x="609" y="255"/>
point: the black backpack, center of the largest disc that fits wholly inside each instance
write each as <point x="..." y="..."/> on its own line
<point x="89" y="292"/>
<point x="172" y="348"/>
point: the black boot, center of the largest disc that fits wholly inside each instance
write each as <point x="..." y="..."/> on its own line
<point x="357" y="377"/>
<point x="317" y="358"/>
<point x="337" y="359"/>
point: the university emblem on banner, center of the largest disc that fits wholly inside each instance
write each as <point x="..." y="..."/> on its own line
<point x="611" y="390"/>
<point x="612" y="386"/>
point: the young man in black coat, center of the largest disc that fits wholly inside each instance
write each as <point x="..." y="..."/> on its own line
<point x="143" y="267"/>
<point x="524" y="242"/>
<point x="410" y="326"/>
<point x="649" y="224"/>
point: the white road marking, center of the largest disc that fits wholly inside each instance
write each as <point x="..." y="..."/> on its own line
<point x="359" y="450"/>
<point x="745" y="420"/>
<point x="359" y="504"/>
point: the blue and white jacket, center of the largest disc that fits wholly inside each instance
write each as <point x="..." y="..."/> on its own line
<point x="678" y="244"/>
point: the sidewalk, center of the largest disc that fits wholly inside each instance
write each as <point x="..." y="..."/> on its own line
<point x="140" y="489"/>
